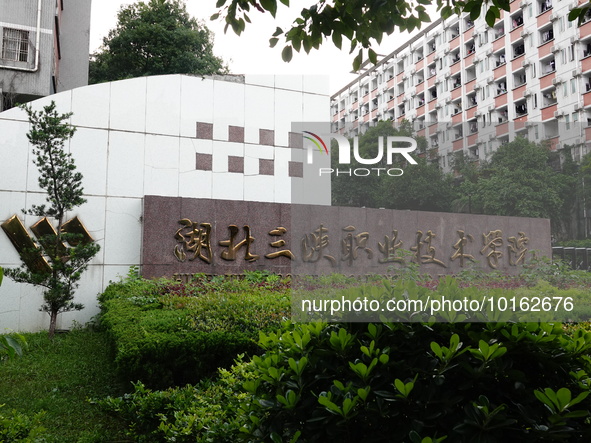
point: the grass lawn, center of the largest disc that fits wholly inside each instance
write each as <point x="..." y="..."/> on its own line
<point x="59" y="376"/>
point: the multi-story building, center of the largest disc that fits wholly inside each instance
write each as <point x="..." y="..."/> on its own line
<point x="43" y="48"/>
<point x="470" y="88"/>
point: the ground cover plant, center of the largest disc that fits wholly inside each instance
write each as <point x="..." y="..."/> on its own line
<point x="45" y="392"/>
<point x="168" y="333"/>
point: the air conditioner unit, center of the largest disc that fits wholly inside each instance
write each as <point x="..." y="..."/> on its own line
<point x="555" y="48"/>
<point x="489" y="52"/>
<point x="553" y="16"/>
<point x="413" y="70"/>
<point x="523" y="4"/>
<point x="557" y="81"/>
<point x="576" y="72"/>
<point x="573" y="5"/>
<point x="491" y="136"/>
<point x="490" y="79"/>
<point x="448" y="100"/>
<point x="477" y="114"/>
<point x="524" y="33"/>
<point x="491" y="107"/>
<point x="525" y="63"/>
<point x="527" y="93"/>
<point x="448" y="125"/>
<point x="558" y="114"/>
<point x="578" y="106"/>
<point x="529" y="124"/>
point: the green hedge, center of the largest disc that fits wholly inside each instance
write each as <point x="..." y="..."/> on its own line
<point x="166" y="333"/>
<point x="419" y="383"/>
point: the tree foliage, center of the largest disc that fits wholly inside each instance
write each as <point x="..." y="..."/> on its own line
<point x="362" y="22"/>
<point x="519" y="181"/>
<point x="154" y="38"/>
<point x="58" y="177"/>
<point x="421" y="187"/>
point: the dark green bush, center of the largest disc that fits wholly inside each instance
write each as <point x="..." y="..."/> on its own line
<point x="166" y="333"/>
<point x="398" y="382"/>
<point x="470" y="382"/>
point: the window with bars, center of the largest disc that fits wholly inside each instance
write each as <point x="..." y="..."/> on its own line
<point x="15" y="45"/>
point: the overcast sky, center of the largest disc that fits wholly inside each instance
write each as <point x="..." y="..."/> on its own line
<point x="250" y="53"/>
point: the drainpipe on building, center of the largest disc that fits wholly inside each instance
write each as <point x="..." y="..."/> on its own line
<point x="37" y="42"/>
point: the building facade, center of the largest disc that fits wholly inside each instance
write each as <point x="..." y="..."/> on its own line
<point x="226" y="138"/>
<point x="44" y="48"/>
<point x="470" y="88"/>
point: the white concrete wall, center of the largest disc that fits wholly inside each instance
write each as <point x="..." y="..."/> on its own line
<point x="138" y="137"/>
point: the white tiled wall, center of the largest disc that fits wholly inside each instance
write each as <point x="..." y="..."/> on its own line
<point x="137" y="137"/>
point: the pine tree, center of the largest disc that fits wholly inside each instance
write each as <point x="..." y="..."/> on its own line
<point x="66" y="254"/>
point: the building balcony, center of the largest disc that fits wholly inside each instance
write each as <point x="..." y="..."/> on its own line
<point x="421" y="132"/>
<point x="469" y="59"/>
<point x="548" y="112"/>
<point x="432" y="104"/>
<point x="420" y="64"/>
<point x="431" y="81"/>
<point x="544" y="17"/>
<point x="457" y="118"/>
<point x="587" y="99"/>
<point x="455" y="68"/>
<point x="499" y="43"/>
<point x="421" y="110"/>
<point x="458" y="144"/>
<point x="430" y="58"/>
<point x="553" y="142"/>
<point x="519" y="91"/>
<point x="585" y="29"/>
<point x="470" y="85"/>
<point x="546" y="80"/>
<point x="586" y="63"/>
<point x="456" y="93"/>
<point x="391" y="82"/>
<point x="516" y="62"/>
<point x="501" y="100"/>
<point x="500" y="71"/>
<point x="502" y="129"/>
<point x="472" y="139"/>
<point x="519" y="123"/>
<point x="545" y="49"/>
<point x="515" y="34"/>
<point x="471" y="112"/>
<point x="454" y="43"/>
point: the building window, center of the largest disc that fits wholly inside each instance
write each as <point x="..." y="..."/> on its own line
<point x="567" y="121"/>
<point x="571" y="52"/>
<point x="15" y="45"/>
<point x="573" y="86"/>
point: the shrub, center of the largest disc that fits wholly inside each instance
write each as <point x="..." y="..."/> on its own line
<point x="418" y="382"/>
<point x="168" y="333"/>
<point x="202" y="413"/>
<point x="19" y="427"/>
<point x="399" y="382"/>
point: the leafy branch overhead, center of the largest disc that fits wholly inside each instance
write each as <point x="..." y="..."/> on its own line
<point x="362" y="22"/>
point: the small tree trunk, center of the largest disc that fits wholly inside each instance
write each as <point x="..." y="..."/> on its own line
<point x="52" y="323"/>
